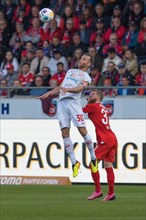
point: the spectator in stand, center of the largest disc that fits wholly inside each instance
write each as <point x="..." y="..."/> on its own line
<point x="11" y="74"/>
<point x="3" y="83"/>
<point x="142" y="31"/>
<point x="111" y="57"/>
<point x="100" y="16"/>
<point x="141" y="79"/>
<point x="140" y="51"/>
<point x="56" y="46"/>
<point x="76" y="44"/>
<point x="30" y="55"/>
<point x="53" y="83"/>
<point x="84" y="32"/>
<point x="16" y="92"/>
<point x="23" y="5"/>
<point x="113" y="42"/>
<point x="76" y="57"/>
<point x="68" y="32"/>
<point x="117" y="12"/>
<point x="38" y="82"/>
<point x="26" y="77"/>
<point x="9" y="9"/>
<point x="40" y="4"/>
<point x="117" y="28"/>
<point x="39" y="61"/>
<point x="61" y="73"/>
<point x="9" y="59"/>
<point x="51" y="30"/>
<point x="5" y="33"/>
<point x="45" y="73"/>
<point x="80" y="6"/>
<point x="27" y="46"/>
<point x="34" y="33"/>
<point x="68" y="13"/>
<point x="99" y="29"/>
<point x="108" y="91"/>
<point x="125" y="91"/>
<point x="130" y="61"/>
<point x="22" y="18"/>
<point x="134" y="12"/>
<point x="34" y="13"/>
<point x="97" y="58"/>
<point x="95" y="76"/>
<point x="86" y="16"/>
<point x="3" y="50"/>
<point x="130" y="38"/>
<point x="17" y="49"/>
<point x="122" y="70"/>
<point x="52" y="64"/>
<point x="108" y="7"/>
<point x="2" y="14"/>
<point x="110" y="73"/>
<point x="19" y="33"/>
<point x="46" y="48"/>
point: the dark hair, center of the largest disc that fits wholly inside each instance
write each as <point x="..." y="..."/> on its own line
<point x="111" y="50"/>
<point x="60" y="63"/>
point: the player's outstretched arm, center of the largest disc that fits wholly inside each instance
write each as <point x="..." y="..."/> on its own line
<point x="53" y="92"/>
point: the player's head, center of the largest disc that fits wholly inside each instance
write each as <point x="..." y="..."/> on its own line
<point x="96" y="95"/>
<point x="85" y="62"/>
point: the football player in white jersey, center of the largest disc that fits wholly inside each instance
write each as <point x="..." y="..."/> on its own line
<point x="70" y="109"/>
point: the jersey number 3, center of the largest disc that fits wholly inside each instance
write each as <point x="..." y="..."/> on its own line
<point x="105" y="119"/>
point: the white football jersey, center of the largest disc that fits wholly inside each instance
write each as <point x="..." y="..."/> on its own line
<point x="73" y="78"/>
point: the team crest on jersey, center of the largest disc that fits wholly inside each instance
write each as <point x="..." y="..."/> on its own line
<point x="53" y="108"/>
<point x="109" y="105"/>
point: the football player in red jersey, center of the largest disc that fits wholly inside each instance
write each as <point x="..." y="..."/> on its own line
<point x="107" y="143"/>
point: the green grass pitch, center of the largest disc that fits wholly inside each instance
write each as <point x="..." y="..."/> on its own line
<point x="69" y="202"/>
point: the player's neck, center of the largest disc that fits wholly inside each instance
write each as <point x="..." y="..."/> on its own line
<point x="83" y="69"/>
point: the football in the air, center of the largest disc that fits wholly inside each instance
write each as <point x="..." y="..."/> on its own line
<point x="46" y="15"/>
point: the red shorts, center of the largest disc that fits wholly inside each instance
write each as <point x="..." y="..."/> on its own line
<point x="106" y="151"/>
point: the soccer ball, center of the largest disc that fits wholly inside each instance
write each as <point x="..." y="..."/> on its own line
<point x="46" y="15"/>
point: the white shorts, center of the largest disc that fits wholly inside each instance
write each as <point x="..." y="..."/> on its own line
<point x="70" y="110"/>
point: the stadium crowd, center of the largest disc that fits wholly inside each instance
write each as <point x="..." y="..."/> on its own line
<point x="35" y="54"/>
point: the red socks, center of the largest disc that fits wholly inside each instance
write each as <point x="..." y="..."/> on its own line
<point x="96" y="178"/>
<point x="110" y="179"/>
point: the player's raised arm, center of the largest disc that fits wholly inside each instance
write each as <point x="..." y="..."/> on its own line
<point x="53" y="92"/>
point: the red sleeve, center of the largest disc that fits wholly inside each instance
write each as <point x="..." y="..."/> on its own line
<point x="89" y="108"/>
<point x="140" y="37"/>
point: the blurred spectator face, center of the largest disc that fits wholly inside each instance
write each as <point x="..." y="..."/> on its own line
<point x="3" y="83"/>
<point x="57" y="55"/>
<point x="38" y="2"/>
<point x="111" y="55"/>
<point x="86" y="12"/>
<point x="129" y="54"/>
<point x="19" y="27"/>
<point x="2" y="15"/>
<point x="69" y="23"/>
<point x="3" y="24"/>
<point x="25" y="68"/>
<point x="92" y="51"/>
<point x="53" y="24"/>
<point x="93" y="72"/>
<point x="125" y="81"/>
<point x="137" y="8"/>
<point x="99" y="39"/>
<point x="29" y="45"/>
<point x="99" y="25"/>
<point x="143" y="68"/>
<point x="116" y="22"/>
<point x="21" y="14"/>
<point x="38" y="81"/>
<point x="60" y="68"/>
<point x="8" y="2"/>
<point x="99" y="10"/>
<point x="35" y="22"/>
<point x="68" y="11"/>
<point x="53" y="83"/>
<point x="107" y="83"/>
<point x="45" y="44"/>
<point x="82" y="26"/>
<point x="55" y="41"/>
<point x="39" y="54"/>
<point x="132" y="27"/>
<point x="76" y="39"/>
<point x="144" y="25"/>
<point x="9" y="56"/>
<point x="117" y="12"/>
<point x="78" y="53"/>
<point x="113" y="39"/>
<point x="17" y="83"/>
<point x="121" y="71"/>
<point x="30" y="54"/>
<point x="23" y="2"/>
<point x="45" y="71"/>
<point x="110" y="66"/>
<point x="35" y="11"/>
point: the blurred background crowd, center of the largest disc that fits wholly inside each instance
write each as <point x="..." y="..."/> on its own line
<point x="35" y="54"/>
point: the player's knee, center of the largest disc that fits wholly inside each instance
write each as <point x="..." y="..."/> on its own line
<point x="65" y="132"/>
<point x="82" y="131"/>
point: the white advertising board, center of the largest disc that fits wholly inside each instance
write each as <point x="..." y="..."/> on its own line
<point x="35" y="148"/>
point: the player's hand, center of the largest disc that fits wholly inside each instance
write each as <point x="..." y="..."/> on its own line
<point x="44" y="96"/>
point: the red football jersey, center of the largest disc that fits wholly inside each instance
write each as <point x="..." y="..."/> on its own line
<point x="97" y="113"/>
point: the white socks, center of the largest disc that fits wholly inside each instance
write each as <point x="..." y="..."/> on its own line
<point x="90" y="146"/>
<point x="68" y="144"/>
